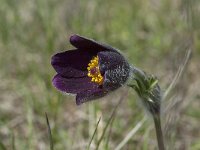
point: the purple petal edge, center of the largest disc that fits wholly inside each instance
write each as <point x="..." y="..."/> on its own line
<point x="72" y="63"/>
<point x="89" y="95"/>
<point x="90" y="44"/>
<point x="73" y="85"/>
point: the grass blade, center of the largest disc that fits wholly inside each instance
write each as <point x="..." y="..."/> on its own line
<point x="109" y="134"/>
<point x="130" y="134"/>
<point x="178" y="74"/>
<point x="95" y="131"/>
<point x="110" y="119"/>
<point x="49" y="133"/>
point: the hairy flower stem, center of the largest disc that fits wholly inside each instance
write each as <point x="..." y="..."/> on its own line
<point x="149" y="91"/>
<point x="159" y="134"/>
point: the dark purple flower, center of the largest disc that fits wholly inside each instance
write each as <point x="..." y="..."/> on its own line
<point x="91" y="70"/>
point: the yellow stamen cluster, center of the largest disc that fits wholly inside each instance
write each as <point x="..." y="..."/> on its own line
<point x="94" y="72"/>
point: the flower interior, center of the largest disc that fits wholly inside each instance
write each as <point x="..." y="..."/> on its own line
<point x="94" y="72"/>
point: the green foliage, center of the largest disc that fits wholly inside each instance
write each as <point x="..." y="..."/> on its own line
<point x="148" y="90"/>
<point x="2" y="147"/>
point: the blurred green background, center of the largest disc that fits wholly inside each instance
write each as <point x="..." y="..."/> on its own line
<point x="154" y="35"/>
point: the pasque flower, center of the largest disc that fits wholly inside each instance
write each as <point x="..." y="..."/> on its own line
<point x="90" y="71"/>
<point x="93" y="69"/>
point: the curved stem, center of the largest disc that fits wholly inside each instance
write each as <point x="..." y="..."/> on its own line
<point x="159" y="134"/>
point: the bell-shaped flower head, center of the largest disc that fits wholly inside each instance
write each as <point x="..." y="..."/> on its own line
<point x="90" y="71"/>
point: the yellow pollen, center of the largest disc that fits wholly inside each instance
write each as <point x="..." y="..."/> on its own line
<point x="94" y="72"/>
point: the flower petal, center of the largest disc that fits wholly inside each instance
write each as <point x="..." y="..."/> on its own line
<point x="115" y="69"/>
<point x="89" y="95"/>
<point x="73" y="85"/>
<point x="89" y="44"/>
<point x="72" y="63"/>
